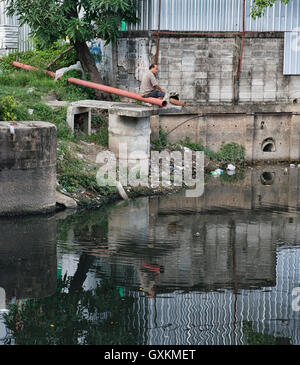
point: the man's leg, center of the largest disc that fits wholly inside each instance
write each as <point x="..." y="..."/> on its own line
<point x="156" y="94"/>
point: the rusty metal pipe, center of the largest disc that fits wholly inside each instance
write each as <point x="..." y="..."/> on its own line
<point x="112" y="90"/>
<point x="158" y="34"/>
<point x="31" y="68"/>
<point x="94" y="85"/>
<point x="242" y="44"/>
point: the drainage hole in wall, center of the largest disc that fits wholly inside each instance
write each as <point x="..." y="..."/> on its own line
<point x="268" y="145"/>
<point x="267" y="178"/>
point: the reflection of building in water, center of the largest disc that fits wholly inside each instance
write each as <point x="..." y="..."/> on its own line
<point x="205" y="251"/>
<point x="209" y="263"/>
<point x="28" y="257"/>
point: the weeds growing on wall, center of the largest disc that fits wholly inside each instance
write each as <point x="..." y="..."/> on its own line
<point x="228" y="153"/>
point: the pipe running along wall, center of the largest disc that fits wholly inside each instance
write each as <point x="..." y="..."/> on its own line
<point x="94" y="85"/>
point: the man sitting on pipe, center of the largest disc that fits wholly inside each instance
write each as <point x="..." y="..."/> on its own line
<point x="149" y="85"/>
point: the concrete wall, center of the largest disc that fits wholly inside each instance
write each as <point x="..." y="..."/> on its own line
<point x="258" y="106"/>
<point x="266" y="135"/>
<point x="204" y="68"/>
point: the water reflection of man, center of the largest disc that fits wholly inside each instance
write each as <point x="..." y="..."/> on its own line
<point x="148" y="275"/>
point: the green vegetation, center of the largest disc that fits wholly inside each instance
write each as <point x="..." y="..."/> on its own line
<point x="72" y="316"/>
<point x="260" y="6"/>
<point x="41" y="57"/>
<point x="7" y="106"/>
<point x="75" y="174"/>
<point x="229" y="153"/>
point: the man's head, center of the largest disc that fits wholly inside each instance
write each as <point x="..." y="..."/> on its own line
<point x="153" y="68"/>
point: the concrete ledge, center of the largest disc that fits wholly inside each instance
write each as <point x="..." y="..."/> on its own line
<point x="134" y="111"/>
<point x="82" y="110"/>
<point x="222" y="108"/>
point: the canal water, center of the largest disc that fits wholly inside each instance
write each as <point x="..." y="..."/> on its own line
<point x="220" y="269"/>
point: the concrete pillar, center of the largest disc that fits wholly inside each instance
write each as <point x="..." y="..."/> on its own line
<point x="27" y="167"/>
<point x="130" y="125"/>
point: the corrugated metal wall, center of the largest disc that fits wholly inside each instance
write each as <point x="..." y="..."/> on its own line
<point x="12" y="36"/>
<point x="202" y="15"/>
<point x="215" y="15"/>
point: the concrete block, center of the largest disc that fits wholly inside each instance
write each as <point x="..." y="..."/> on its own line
<point x="225" y="68"/>
<point x="257" y="82"/>
<point x="226" y="75"/>
<point x="214" y="97"/>
<point x="175" y="82"/>
<point x="244" y="96"/>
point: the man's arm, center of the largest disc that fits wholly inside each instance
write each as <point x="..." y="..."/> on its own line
<point x="159" y="88"/>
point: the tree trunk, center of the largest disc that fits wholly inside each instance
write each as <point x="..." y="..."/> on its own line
<point x="89" y="67"/>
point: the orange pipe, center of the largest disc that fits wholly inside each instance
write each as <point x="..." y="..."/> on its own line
<point x="31" y="68"/>
<point x="94" y="85"/>
<point x="113" y="90"/>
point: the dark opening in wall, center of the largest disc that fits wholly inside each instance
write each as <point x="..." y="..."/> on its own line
<point x="267" y="178"/>
<point x="81" y="122"/>
<point x="268" y="145"/>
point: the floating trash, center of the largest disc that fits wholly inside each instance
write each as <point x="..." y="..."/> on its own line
<point x="217" y="172"/>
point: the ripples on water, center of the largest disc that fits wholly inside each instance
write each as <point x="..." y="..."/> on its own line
<point x="219" y="269"/>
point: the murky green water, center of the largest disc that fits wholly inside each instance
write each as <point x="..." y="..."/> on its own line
<point x="219" y="269"/>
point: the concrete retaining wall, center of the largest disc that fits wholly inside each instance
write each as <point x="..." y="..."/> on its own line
<point x="27" y="167"/>
<point x="269" y="133"/>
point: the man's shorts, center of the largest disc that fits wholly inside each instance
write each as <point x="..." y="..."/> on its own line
<point x="155" y="94"/>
